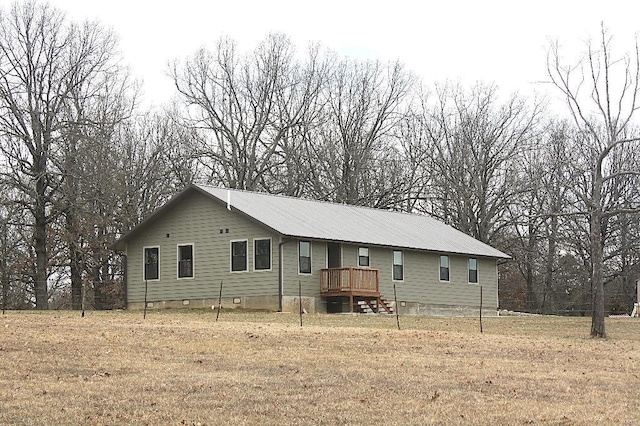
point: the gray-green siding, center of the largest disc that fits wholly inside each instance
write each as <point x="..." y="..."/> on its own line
<point x="198" y="220"/>
<point x="421" y="281"/>
<point x="310" y="283"/>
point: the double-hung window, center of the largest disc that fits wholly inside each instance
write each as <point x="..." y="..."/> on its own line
<point x="398" y="265"/>
<point x="444" y="268"/>
<point x="262" y="254"/>
<point x="363" y="256"/>
<point x="473" y="270"/>
<point x="304" y="257"/>
<point x="151" y="263"/>
<point x="185" y="261"/>
<point x="238" y="256"/>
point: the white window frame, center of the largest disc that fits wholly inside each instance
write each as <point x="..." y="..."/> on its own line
<point x="448" y="268"/>
<point x="144" y="259"/>
<point x="193" y="261"/>
<point x="477" y="270"/>
<point x="270" y="254"/>
<point x="393" y="265"/>
<point x="368" y="257"/>
<point x="310" y="257"/>
<point x="246" y="241"/>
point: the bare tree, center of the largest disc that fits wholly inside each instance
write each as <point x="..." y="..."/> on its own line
<point x="356" y="152"/>
<point x="477" y="143"/>
<point x="553" y="157"/>
<point x="602" y="94"/>
<point x="149" y="165"/>
<point x="92" y="113"/>
<point x="620" y="232"/>
<point x="33" y="88"/>
<point x="413" y="135"/>
<point x="6" y="247"/>
<point x="298" y="115"/>
<point x="16" y="249"/>
<point x="50" y="71"/>
<point x="525" y="239"/>
<point x="248" y="109"/>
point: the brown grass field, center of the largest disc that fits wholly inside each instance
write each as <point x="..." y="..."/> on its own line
<point x="182" y="367"/>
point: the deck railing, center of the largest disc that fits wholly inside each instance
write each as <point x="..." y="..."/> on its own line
<point x="350" y="279"/>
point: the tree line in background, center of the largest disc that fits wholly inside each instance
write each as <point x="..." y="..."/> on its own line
<point x="81" y="162"/>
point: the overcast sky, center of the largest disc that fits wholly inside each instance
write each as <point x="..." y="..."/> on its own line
<point x="493" y="41"/>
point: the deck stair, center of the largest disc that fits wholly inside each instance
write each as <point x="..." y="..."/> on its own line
<point x="373" y="305"/>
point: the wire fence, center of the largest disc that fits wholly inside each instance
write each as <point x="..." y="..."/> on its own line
<point x="575" y="303"/>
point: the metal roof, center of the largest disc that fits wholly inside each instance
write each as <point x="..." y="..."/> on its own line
<point x="301" y="218"/>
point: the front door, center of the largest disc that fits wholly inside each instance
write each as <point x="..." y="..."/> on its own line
<point x="334" y="255"/>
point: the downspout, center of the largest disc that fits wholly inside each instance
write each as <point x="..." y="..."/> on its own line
<point x="281" y="273"/>
<point x="125" y="279"/>
<point x="497" y="292"/>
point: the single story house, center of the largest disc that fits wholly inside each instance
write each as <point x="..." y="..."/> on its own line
<point x="269" y="250"/>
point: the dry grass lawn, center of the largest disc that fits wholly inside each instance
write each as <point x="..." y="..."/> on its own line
<point x="182" y="367"/>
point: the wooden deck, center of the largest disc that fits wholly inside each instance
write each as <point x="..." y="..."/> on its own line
<point x="352" y="282"/>
<point x="341" y="281"/>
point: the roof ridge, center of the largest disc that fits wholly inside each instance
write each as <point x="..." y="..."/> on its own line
<point x="313" y="200"/>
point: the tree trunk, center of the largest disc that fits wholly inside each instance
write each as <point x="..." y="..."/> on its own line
<point x="76" y="278"/>
<point x="531" y="305"/>
<point x="531" y="297"/>
<point x="40" y="246"/>
<point x="550" y="261"/>
<point x="5" y="272"/>
<point x="98" y="289"/>
<point x="98" y="268"/>
<point x="597" y="285"/>
<point x="627" y="262"/>
<point x="72" y="173"/>
<point x="75" y="269"/>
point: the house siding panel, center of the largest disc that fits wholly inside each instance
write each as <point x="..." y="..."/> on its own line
<point x="309" y="283"/>
<point x="350" y="254"/>
<point x="198" y="220"/>
<point x="421" y="278"/>
<point x="421" y="281"/>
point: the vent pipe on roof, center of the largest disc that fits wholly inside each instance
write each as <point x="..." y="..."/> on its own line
<point x="229" y="199"/>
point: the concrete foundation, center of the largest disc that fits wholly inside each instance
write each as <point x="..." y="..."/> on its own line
<point x="311" y="305"/>
<point x="270" y="303"/>
<point x="422" y="309"/>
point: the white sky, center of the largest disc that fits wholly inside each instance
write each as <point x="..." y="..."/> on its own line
<point x="490" y="40"/>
